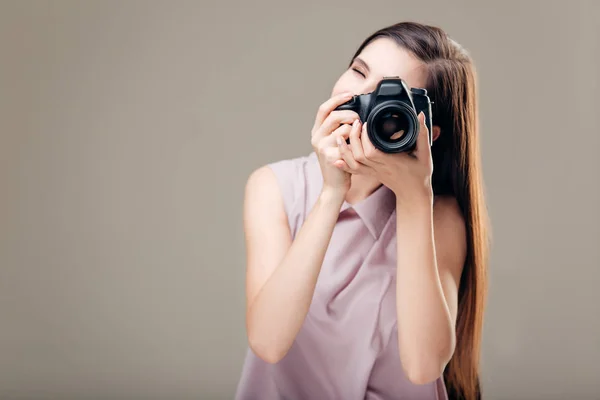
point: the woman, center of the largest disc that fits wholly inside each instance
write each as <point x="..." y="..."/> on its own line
<point x="366" y="271"/>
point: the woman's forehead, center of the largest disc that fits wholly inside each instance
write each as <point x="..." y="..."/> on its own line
<point x="386" y="58"/>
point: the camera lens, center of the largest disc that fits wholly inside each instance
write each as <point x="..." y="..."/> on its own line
<point x="392" y="125"/>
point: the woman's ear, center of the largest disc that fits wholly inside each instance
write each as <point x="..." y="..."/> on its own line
<point x="435" y="133"/>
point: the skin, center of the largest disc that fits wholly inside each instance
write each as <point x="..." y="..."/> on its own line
<point x="282" y="274"/>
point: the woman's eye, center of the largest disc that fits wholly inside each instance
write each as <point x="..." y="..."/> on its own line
<point x="358" y="72"/>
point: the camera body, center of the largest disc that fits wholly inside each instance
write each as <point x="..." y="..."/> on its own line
<point x="391" y="114"/>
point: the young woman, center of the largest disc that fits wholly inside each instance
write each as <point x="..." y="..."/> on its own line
<point x="366" y="271"/>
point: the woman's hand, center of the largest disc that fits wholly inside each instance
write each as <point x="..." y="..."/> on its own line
<point x="407" y="174"/>
<point x="329" y="126"/>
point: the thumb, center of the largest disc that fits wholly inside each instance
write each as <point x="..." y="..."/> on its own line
<point x="423" y="145"/>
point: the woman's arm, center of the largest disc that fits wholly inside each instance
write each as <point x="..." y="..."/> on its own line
<point x="281" y="274"/>
<point x="431" y="255"/>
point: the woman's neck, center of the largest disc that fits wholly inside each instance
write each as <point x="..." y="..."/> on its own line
<point x="361" y="187"/>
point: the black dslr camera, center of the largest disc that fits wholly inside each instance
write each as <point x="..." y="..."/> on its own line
<point x="391" y="114"/>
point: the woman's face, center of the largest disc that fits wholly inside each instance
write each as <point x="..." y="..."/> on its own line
<point x="381" y="58"/>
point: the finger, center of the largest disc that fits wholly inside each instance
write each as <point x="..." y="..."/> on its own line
<point x="423" y="147"/>
<point x="369" y="150"/>
<point x="346" y="152"/>
<point x="331" y="140"/>
<point x="327" y="107"/>
<point x="334" y="120"/>
<point x="341" y="164"/>
<point x="356" y="143"/>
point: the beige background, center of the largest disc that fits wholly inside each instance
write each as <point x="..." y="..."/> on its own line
<point x="128" y="130"/>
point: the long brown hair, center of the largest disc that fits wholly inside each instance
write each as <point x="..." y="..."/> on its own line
<point x="452" y="87"/>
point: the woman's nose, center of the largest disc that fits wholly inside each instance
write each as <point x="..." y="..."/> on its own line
<point x="369" y="88"/>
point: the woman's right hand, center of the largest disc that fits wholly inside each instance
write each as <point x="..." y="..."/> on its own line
<point x="329" y="125"/>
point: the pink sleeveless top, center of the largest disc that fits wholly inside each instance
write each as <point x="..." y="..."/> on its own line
<point x="347" y="348"/>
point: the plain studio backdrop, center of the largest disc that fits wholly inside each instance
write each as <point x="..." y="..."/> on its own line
<point x="129" y="128"/>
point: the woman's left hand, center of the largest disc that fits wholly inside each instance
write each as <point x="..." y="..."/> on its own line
<point x="407" y="174"/>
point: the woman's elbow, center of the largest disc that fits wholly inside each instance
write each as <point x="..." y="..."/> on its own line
<point x="264" y="342"/>
<point x="423" y="371"/>
<point x="266" y="352"/>
<point x="423" y="376"/>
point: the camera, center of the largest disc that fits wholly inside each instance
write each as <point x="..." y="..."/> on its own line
<point x="391" y="114"/>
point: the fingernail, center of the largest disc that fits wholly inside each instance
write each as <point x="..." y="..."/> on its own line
<point x="339" y="140"/>
<point x="355" y="123"/>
